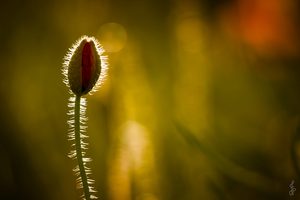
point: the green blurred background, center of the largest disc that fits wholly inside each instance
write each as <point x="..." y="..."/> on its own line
<point x="202" y="99"/>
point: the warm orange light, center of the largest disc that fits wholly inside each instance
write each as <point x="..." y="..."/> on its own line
<point x="267" y="26"/>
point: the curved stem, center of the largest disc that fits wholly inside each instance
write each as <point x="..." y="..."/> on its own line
<point x="79" y="150"/>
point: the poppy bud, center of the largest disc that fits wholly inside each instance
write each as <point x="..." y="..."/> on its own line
<point x="84" y="67"/>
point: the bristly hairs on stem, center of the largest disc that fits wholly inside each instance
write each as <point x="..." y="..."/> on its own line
<point x="84" y="68"/>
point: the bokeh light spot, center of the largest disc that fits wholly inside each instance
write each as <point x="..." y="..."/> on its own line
<point x="189" y="33"/>
<point x="112" y="36"/>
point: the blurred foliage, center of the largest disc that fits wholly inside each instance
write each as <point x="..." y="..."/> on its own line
<point x="202" y="99"/>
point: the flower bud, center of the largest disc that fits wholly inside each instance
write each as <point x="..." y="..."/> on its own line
<point x="83" y="66"/>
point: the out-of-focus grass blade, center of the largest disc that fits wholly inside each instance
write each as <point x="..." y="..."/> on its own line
<point x="294" y="156"/>
<point x="227" y="167"/>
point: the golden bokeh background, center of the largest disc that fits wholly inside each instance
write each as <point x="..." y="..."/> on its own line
<point x="201" y="101"/>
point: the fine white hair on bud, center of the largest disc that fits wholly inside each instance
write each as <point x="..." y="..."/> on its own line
<point x="84" y="66"/>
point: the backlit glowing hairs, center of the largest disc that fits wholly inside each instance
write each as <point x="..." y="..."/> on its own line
<point x="84" y="70"/>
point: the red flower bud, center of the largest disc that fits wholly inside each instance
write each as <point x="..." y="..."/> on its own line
<point x="84" y="67"/>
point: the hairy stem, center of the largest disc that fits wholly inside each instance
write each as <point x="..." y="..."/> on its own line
<point x="79" y="150"/>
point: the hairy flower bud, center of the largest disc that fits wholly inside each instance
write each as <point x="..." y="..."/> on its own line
<point x="84" y="67"/>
